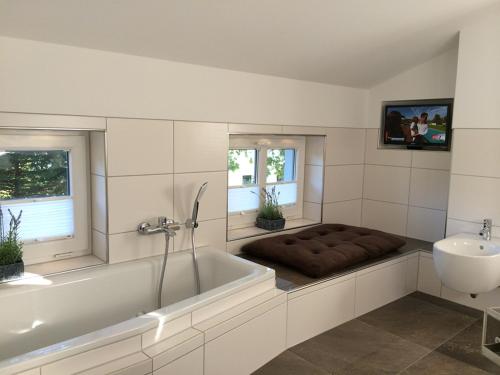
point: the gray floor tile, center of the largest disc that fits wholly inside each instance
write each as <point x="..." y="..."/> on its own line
<point x="419" y="321"/>
<point x="440" y="364"/>
<point x="359" y="348"/>
<point x="474" y="313"/>
<point x="289" y="363"/>
<point x="466" y="347"/>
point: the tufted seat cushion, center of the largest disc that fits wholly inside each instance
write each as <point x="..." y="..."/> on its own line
<point x="324" y="249"/>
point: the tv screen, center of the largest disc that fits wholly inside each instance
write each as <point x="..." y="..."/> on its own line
<point x="419" y="125"/>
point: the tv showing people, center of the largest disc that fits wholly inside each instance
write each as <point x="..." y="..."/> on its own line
<point x="417" y="125"/>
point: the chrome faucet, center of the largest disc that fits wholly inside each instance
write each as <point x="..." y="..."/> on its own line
<point x="486" y="229"/>
<point x="164" y="225"/>
<point x="168" y="227"/>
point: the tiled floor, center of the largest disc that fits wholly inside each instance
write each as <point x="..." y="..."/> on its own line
<point x="417" y="334"/>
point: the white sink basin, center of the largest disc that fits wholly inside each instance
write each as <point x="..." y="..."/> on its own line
<point x="467" y="263"/>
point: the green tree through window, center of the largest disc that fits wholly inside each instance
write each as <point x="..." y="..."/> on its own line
<point x="33" y="174"/>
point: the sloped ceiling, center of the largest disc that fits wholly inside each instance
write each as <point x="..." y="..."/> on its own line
<point x="347" y="42"/>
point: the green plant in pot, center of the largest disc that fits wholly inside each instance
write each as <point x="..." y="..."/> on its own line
<point x="11" y="248"/>
<point x="270" y="216"/>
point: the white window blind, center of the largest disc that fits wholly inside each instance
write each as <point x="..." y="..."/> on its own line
<point x="42" y="220"/>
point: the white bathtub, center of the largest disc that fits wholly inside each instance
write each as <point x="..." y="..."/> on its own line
<point x="43" y="317"/>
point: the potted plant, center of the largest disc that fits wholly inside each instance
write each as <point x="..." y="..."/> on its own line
<point x="270" y="216"/>
<point x="11" y="248"/>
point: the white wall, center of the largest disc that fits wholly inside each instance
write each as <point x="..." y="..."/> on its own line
<point x="433" y="79"/>
<point x="48" y="78"/>
<point x="475" y="172"/>
<point x="406" y="192"/>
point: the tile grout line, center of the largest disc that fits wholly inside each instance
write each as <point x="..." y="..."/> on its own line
<point x="441" y="344"/>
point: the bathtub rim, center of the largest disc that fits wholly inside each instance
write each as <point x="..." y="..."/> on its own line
<point x="137" y="325"/>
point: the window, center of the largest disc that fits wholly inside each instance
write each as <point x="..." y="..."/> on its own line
<point x="258" y="162"/>
<point x="45" y="176"/>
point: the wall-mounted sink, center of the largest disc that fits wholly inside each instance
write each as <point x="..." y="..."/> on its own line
<point x="467" y="263"/>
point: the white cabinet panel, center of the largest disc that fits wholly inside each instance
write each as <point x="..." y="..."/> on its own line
<point x="428" y="280"/>
<point x="248" y="347"/>
<point x="380" y="287"/>
<point x="190" y="364"/>
<point x="318" y="311"/>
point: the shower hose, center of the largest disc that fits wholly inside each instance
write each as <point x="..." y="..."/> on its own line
<point x="164" y="265"/>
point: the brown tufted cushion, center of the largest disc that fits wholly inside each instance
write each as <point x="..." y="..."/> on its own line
<point x="324" y="249"/>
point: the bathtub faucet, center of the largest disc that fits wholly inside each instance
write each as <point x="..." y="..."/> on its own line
<point x="164" y="225"/>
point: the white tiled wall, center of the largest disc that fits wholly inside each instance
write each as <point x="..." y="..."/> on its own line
<point x="405" y="192"/>
<point x="475" y="180"/>
<point x="344" y="169"/>
<point x="155" y="168"/>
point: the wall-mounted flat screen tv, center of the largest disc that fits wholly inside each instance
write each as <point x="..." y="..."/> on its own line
<point x="420" y="124"/>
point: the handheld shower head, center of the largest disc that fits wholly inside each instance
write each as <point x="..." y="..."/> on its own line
<point x="194" y="217"/>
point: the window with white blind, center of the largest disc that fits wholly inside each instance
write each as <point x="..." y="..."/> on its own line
<point x="264" y="162"/>
<point x="44" y="175"/>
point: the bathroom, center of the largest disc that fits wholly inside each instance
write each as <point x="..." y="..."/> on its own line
<point x="142" y="117"/>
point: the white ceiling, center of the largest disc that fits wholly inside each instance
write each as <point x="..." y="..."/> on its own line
<point x="348" y="42"/>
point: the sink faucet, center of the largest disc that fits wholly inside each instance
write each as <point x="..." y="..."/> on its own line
<point x="486" y="229"/>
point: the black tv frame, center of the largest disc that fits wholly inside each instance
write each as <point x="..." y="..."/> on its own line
<point x="415" y="103"/>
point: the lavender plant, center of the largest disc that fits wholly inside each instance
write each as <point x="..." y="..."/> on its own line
<point x="11" y="247"/>
<point x="270" y="208"/>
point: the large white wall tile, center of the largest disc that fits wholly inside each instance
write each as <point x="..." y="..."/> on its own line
<point x="345" y="146"/>
<point x="374" y="155"/>
<point x="138" y="147"/>
<point x="389" y="184"/>
<point x="209" y="233"/>
<point x="315" y="150"/>
<point x="313" y="183"/>
<point x="312" y="211"/>
<point x="254" y="129"/>
<point x="388" y="217"/>
<point x="454" y="226"/>
<point x="426" y="224"/>
<point x="429" y="188"/>
<point x="200" y="146"/>
<point x="431" y="159"/>
<point x="459" y="226"/>
<point x="100" y="245"/>
<point x="99" y="209"/>
<point x="132" y="245"/>
<point x="381" y="156"/>
<point x="134" y="199"/>
<point x="304" y="130"/>
<point x="483" y="161"/>
<point x="213" y="201"/>
<point x="343" y="182"/>
<point x="347" y="212"/>
<point x="98" y="153"/>
<point x="474" y="198"/>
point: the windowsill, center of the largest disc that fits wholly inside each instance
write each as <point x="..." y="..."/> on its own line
<point x="58" y="266"/>
<point x="253" y="231"/>
<point x="63" y="265"/>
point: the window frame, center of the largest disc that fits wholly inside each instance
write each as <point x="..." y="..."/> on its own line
<point x="262" y="143"/>
<point x="77" y="144"/>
